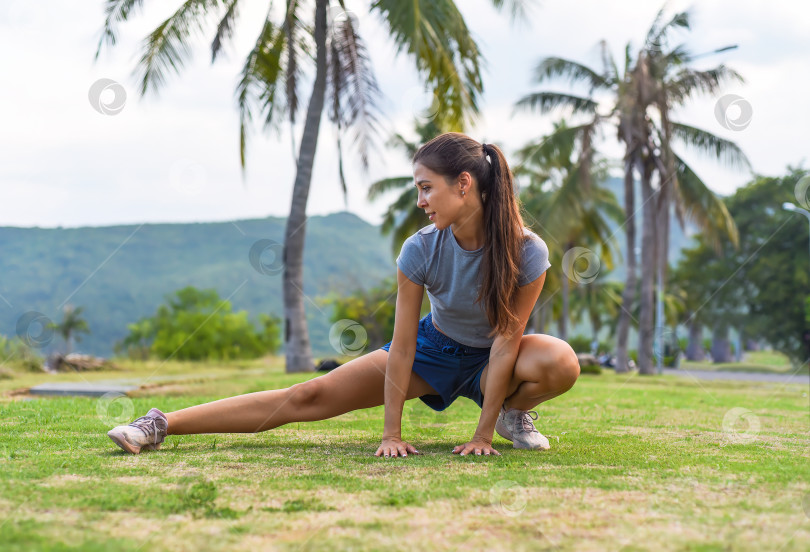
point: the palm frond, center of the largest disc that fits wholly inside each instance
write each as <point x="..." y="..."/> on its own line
<point x="259" y="81"/>
<point x="117" y="11"/>
<point x="657" y="36"/>
<point x="559" y="145"/>
<point x="435" y="35"/>
<point x="518" y="9"/>
<point x="353" y="87"/>
<point x="386" y="185"/>
<point x="167" y="48"/>
<point x="689" y="82"/>
<point x="610" y="72"/>
<point x="552" y="67"/>
<point x="292" y="25"/>
<point x="703" y="207"/>
<point x="224" y="28"/>
<point x="547" y="101"/>
<point x="710" y="144"/>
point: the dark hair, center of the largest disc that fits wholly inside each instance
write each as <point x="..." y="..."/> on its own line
<point x="450" y="155"/>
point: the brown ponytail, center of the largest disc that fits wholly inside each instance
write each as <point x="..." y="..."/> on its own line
<point x="453" y="153"/>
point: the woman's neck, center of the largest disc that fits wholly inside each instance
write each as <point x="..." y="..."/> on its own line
<point x="469" y="230"/>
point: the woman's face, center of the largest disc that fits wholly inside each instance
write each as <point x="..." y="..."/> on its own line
<point x="441" y="201"/>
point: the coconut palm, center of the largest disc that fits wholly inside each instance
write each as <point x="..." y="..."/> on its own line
<point x="635" y="94"/>
<point x="624" y="115"/>
<point x="71" y="327"/>
<point x="576" y="211"/>
<point x="665" y="81"/>
<point x="432" y="33"/>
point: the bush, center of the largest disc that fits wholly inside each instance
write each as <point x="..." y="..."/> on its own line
<point x="197" y="325"/>
<point x="580" y="343"/>
<point x="372" y="309"/>
<point x="590" y="369"/>
<point x="16" y="353"/>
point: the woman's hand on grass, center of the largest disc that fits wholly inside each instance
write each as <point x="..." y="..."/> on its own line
<point x="393" y="447"/>
<point x="477" y="446"/>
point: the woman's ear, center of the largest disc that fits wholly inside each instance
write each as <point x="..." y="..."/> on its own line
<point x="465" y="181"/>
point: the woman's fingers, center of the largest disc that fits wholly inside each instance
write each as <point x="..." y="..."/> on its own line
<point x="478" y="450"/>
<point x="396" y="449"/>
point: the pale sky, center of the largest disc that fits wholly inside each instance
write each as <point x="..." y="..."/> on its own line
<point x="174" y="157"/>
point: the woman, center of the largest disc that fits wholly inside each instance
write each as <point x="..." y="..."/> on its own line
<point x="483" y="272"/>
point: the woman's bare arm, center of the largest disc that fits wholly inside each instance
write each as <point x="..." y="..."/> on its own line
<point x="400" y="365"/>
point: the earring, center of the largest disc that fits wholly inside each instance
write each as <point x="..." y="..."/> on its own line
<point x="462" y="193"/>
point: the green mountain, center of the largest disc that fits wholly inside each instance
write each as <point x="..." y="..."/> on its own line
<point x="122" y="273"/>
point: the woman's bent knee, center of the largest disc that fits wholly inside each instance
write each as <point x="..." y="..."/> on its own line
<point x="305" y="394"/>
<point x="566" y="368"/>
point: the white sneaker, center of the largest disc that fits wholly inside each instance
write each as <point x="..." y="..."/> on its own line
<point x="147" y="432"/>
<point x="516" y="426"/>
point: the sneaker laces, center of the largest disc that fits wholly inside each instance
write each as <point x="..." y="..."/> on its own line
<point x="147" y="425"/>
<point x="526" y="418"/>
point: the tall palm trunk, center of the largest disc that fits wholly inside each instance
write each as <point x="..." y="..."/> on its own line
<point x="721" y="346"/>
<point x="565" y="285"/>
<point x="629" y="292"/>
<point x="540" y="319"/>
<point x="563" y="325"/>
<point x="665" y="195"/>
<point x="648" y="264"/>
<point x="296" y="342"/>
<point x="694" y="350"/>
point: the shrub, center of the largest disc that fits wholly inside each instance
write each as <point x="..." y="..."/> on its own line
<point x="196" y="325"/>
<point x="580" y="343"/>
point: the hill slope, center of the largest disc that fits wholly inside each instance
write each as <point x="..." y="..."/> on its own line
<point x="121" y="273"/>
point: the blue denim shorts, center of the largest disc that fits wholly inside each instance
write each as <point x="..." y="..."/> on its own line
<point x="452" y="369"/>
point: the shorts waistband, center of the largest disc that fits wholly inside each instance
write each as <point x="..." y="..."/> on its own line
<point x="449" y="345"/>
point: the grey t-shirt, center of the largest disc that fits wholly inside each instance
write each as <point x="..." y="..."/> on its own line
<point x="451" y="275"/>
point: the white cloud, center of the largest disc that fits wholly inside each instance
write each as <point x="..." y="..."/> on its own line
<point x="62" y="163"/>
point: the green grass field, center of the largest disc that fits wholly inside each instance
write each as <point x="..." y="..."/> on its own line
<point x="637" y="463"/>
<point x="766" y="362"/>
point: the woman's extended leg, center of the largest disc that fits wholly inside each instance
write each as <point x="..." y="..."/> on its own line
<point x="355" y="385"/>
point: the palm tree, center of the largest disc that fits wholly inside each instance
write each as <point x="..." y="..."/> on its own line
<point x="71" y="327"/>
<point x="432" y="33"/>
<point x="578" y="208"/>
<point x="624" y="115"/>
<point x="665" y="81"/>
<point x="635" y="95"/>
